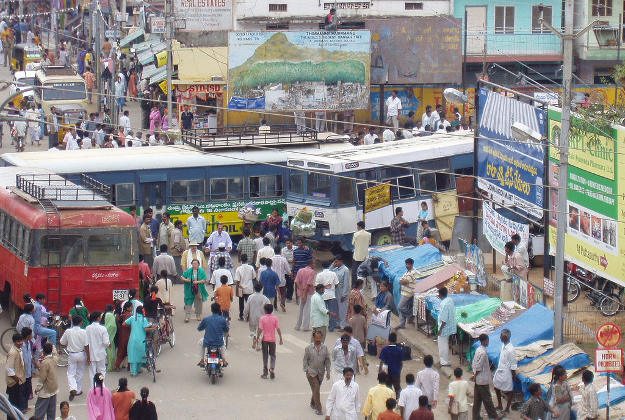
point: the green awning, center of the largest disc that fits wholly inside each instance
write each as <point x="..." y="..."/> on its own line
<point x="136" y="36"/>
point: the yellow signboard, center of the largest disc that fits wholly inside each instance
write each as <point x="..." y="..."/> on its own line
<point x="163" y="86"/>
<point x="377" y="197"/>
<point x="161" y="58"/>
<point x="445" y="212"/>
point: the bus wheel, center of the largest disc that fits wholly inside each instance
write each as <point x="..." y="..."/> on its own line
<point x="381" y="237"/>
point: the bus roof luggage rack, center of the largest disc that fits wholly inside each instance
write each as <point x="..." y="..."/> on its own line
<point x="58" y="71"/>
<point x="78" y="191"/>
<point x="203" y="139"/>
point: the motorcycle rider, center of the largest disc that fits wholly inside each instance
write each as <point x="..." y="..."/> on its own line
<point x="214" y="327"/>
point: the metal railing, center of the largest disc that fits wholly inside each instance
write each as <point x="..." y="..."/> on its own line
<point x="57" y="188"/>
<point x="202" y="139"/>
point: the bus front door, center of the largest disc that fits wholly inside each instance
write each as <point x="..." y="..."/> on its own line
<point x="153" y="195"/>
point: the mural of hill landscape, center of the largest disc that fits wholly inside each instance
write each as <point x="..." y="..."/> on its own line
<point x="317" y="70"/>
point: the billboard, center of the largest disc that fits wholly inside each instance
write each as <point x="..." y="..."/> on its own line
<point x="422" y="49"/>
<point x="595" y="183"/>
<point x="203" y="15"/>
<point x="509" y="170"/>
<point x="498" y="229"/>
<point x="307" y="70"/>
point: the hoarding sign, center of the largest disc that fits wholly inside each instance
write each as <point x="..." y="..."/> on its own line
<point x="511" y="171"/>
<point x="596" y="197"/>
<point x="377" y="197"/>
<point x="203" y="15"/>
<point x="498" y="229"/>
<point x="307" y="70"/>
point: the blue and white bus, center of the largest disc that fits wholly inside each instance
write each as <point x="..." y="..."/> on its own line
<point x="415" y="168"/>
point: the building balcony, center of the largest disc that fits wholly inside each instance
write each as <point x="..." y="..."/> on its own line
<point x="505" y="47"/>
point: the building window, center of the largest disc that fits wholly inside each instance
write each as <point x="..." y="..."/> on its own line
<point x="277" y="27"/>
<point x="537" y="28"/>
<point x="602" y="7"/>
<point x="413" y="6"/>
<point x="504" y="19"/>
<point x="277" y="7"/>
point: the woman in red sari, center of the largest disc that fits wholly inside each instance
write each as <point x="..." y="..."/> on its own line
<point x="123" y="334"/>
<point x="132" y="85"/>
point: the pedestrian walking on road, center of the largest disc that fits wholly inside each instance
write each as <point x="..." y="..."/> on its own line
<point x="123" y="399"/>
<point x="164" y="261"/>
<point x="329" y="280"/>
<point x="136" y="343"/>
<point x="244" y="280"/>
<point x="458" y="393"/>
<point x="110" y="323"/>
<point x="304" y="289"/>
<point x="391" y="356"/>
<point x="123" y="334"/>
<point x="100" y="400"/>
<point x="45" y="407"/>
<point x="389" y="413"/>
<point x="98" y="341"/>
<point x="343" y="356"/>
<point x="319" y="312"/>
<point x="316" y="362"/>
<point x="446" y="326"/>
<point x="281" y="266"/>
<point x="342" y="289"/>
<point x="423" y="412"/>
<point x="375" y="402"/>
<point x="409" y="397"/>
<point x="356" y="298"/>
<point x="344" y="400"/>
<point x="505" y="375"/>
<point x="64" y="408"/>
<point x="253" y="310"/>
<point x="75" y="338"/>
<point x="428" y="380"/>
<point x="408" y="282"/>
<point x="481" y="375"/>
<point x="268" y="325"/>
<point x="194" y="290"/>
<point x="143" y="409"/>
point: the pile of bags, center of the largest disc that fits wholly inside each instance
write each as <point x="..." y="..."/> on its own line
<point x="303" y="224"/>
<point x="249" y="213"/>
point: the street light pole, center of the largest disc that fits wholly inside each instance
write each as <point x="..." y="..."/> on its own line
<point x="169" y="21"/>
<point x="563" y="145"/>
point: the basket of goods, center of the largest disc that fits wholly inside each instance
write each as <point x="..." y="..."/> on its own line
<point x="249" y="213"/>
<point x="303" y="223"/>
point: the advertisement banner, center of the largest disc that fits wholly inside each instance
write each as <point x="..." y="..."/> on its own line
<point x="509" y="170"/>
<point x="301" y="70"/>
<point x="596" y="197"/>
<point x="415" y="50"/>
<point x="203" y="15"/>
<point x="377" y="197"/>
<point x="498" y="229"/>
<point x="525" y="293"/>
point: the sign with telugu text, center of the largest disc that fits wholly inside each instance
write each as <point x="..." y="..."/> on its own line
<point x="498" y="229"/>
<point x="201" y="91"/>
<point x="377" y="197"/>
<point x="608" y="360"/>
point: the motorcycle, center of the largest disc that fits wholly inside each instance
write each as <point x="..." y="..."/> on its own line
<point x="599" y="291"/>
<point x="213" y="364"/>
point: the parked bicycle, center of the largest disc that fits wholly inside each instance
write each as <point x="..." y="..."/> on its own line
<point x="150" y="357"/>
<point x="58" y="323"/>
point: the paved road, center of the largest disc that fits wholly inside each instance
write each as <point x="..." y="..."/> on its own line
<point x="241" y="393"/>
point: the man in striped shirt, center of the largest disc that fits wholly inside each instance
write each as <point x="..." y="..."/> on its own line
<point x="247" y="246"/>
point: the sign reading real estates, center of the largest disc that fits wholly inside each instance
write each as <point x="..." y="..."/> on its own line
<point x="203" y="15"/>
<point x="596" y="197"/>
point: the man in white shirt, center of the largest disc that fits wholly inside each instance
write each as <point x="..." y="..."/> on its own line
<point x="264" y="128"/>
<point x="265" y="252"/>
<point x="281" y="266"/>
<point x="344" y="399"/>
<point x="371" y="137"/>
<point x="361" y="242"/>
<point x="124" y="121"/>
<point x="521" y="248"/>
<point x="221" y="271"/>
<point x="164" y="262"/>
<point x="329" y="280"/>
<point x="75" y="338"/>
<point x="196" y="225"/>
<point x="409" y="397"/>
<point x="393" y="109"/>
<point x="244" y="279"/>
<point x="435" y="117"/>
<point x="70" y="140"/>
<point x="98" y="340"/>
<point x="217" y="237"/>
<point x="503" y="379"/>
<point x="138" y="141"/>
<point x="388" y="135"/>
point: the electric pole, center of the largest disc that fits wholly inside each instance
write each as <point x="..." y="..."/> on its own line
<point x="169" y="33"/>
<point x="567" y="77"/>
<point x="97" y="17"/>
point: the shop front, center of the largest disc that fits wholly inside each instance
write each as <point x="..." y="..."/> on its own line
<point x="206" y="101"/>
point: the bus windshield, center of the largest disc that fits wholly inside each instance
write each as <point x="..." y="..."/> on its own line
<point x="64" y="91"/>
<point x="76" y="248"/>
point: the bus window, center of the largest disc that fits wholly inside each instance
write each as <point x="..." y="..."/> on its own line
<point x="226" y="188"/>
<point x="2" y="221"/>
<point x="109" y="249"/>
<point x="346" y="191"/>
<point x="19" y="243"/>
<point x="401" y="180"/>
<point x="26" y="247"/>
<point x="13" y="234"/>
<point x="436" y="176"/>
<point x="443" y="182"/>
<point x="124" y="194"/>
<point x="297" y="182"/>
<point x="187" y="191"/>
<point x="360" y="190"/>
<point x="64" y="91"/>
<point x="319" y="185"/>
<point x="69" y="246"/>
<point x="266" y="186"/>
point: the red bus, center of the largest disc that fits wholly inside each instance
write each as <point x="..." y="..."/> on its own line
<point x="62" y="237"/>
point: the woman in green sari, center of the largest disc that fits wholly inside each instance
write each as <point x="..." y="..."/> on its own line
<point x="111" y="326"/>
<point x="195" y="293"/>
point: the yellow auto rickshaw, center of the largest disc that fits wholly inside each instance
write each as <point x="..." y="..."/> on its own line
<point x="24" y="54"/>
<point x="69" y="116"/>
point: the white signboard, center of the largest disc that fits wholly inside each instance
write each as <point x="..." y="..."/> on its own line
<point x="499" y="229"/>
<point x="157" y="25"/>
<point x="203" y="15"/>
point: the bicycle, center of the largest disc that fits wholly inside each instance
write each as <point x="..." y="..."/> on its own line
<point x="166" y="331"/>
<point x="150" y="358"/>
<point x="57" y="323"/>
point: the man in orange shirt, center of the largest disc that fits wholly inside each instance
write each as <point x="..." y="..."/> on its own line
<point x="89" y="83"/>
<point x="224" y="296"/>
<point x="389" y="414"/>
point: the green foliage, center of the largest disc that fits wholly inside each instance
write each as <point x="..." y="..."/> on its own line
<point x="266" y="73"/>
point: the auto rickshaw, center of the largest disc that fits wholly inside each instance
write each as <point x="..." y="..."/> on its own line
<point x="24" y="54"/>
<point x="69" y="116"/>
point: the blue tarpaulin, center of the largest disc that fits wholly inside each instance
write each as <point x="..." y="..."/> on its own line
<point x="422" y="255"/>
<point x="575" y="362"/>
<point x="534" y="324"/>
